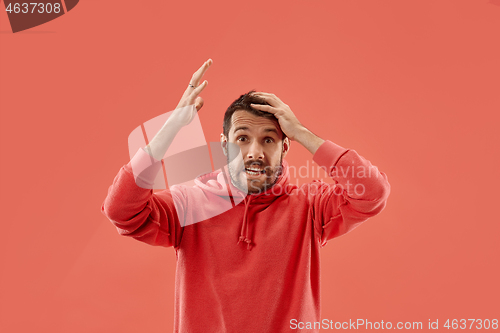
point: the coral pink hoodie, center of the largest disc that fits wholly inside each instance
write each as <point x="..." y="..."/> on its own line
<point x="256" y="266"/>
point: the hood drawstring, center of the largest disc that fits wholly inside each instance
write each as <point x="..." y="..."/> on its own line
<point x="244" y="226"/>
<point x="219" y="183"/>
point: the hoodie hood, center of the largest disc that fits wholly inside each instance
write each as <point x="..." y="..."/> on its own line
<point x="219" y="183"/>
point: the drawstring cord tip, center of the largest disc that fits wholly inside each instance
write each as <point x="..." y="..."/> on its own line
<point x="246" y="240"/>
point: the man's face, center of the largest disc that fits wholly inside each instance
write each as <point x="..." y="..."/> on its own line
<point x="262" y="149"/>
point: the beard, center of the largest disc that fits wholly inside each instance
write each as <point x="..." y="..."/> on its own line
<point x="240" y="179"/>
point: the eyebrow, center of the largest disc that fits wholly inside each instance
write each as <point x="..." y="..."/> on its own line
<point x="243" y="128"/>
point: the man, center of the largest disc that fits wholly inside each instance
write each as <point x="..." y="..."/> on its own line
<point x="255" y="266"/>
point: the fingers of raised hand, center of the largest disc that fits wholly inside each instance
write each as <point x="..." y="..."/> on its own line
<point x="194" y="88"/>
<point x="199" y="89"/>
<point x="191" y="94"/>
<point x="199" y="103"/>
<point x="196" y="78"/>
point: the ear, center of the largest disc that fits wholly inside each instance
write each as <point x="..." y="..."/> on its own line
<point x="223" y="143"/>
<point x="286" y="146"/>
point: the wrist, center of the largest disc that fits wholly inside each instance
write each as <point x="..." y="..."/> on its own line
<point x="308" y="139"/>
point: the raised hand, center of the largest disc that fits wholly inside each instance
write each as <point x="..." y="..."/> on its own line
<point x="190" y="96"/>
<point x="183" y="114"/>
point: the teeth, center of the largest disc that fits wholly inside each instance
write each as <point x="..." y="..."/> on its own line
<point x="253" y="171"/>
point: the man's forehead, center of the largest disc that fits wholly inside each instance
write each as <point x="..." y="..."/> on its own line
<point x="247" y="121"/>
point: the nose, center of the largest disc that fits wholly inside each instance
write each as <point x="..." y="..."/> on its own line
<point x="255" y="151"/>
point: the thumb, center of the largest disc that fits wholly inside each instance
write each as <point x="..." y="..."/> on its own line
<point x="198" y="103"/>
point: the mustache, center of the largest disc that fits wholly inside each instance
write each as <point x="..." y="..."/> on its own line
<point x="256" y="163"/>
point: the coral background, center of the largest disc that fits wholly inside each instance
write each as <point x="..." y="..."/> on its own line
<point x="413" y="86"/>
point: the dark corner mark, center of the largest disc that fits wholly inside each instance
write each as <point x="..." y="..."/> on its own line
<point x="24" y="15"/>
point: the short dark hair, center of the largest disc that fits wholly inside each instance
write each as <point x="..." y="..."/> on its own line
<point x="243" y="103"/>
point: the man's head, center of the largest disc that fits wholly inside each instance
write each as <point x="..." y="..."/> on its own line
<point x="261" y="141"/>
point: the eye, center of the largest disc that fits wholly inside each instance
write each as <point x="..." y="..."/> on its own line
<point x="241" y="139"/>
<point x="269" y="140"/>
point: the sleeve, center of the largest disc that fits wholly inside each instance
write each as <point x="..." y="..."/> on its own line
<point x="360" y="192"/>
<point x="135" y="210"/>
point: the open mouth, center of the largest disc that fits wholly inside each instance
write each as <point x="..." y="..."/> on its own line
<point x="255" y="171"/>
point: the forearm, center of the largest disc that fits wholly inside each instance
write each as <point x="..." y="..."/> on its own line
<point x="159" y="145"/>
<point x="308" y="139"/>
<point x="362" y="184"/>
